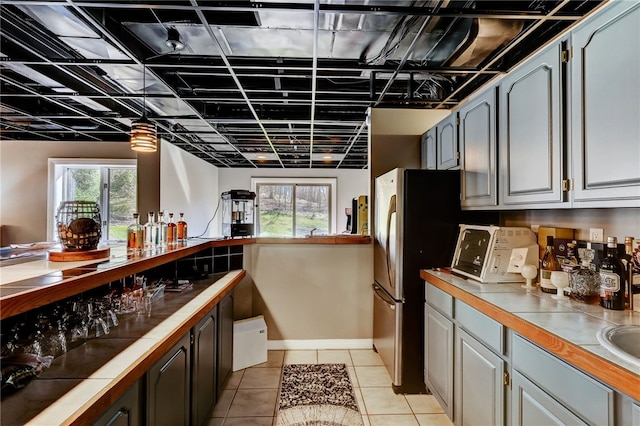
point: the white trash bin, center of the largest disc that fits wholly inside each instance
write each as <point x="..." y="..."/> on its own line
<point x="249" y="342"/>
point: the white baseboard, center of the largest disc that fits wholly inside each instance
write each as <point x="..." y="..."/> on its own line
<point x="309" y="344"/>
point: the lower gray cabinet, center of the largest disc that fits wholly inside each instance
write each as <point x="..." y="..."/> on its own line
<point x="168" y="385"/>
<point x="562" y="385"/>
<point x="438" y="358"/>
<point x="203" y="378"/>
<point x="533" y="406"/>
<point x="479" y="377"/>
<point x="225" y="340"/>
<point x="126" y="410"/>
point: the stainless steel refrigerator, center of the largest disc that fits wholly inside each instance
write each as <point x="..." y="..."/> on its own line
<point x="416" y="217"/>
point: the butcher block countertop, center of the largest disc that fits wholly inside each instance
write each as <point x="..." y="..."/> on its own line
<point x="565" y="328"/>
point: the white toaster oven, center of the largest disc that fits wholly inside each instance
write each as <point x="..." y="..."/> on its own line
<point x="484" y="253"/>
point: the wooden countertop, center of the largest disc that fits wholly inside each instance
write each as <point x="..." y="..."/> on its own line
<point x="320" y="239"/>
<point x="567" y="329"/>
<point x="30" y="282"/>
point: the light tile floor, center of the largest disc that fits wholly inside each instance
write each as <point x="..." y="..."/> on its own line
<point x="250" y="396"/>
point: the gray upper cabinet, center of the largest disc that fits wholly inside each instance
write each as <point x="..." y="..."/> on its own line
<point x="605" y="110"/>
<point x="477" y="131"/>
<point x="530" y="140"/>
<point x="428" y="148"/>
<point x="448" y="151"/>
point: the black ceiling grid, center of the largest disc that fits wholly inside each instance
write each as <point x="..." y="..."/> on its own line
<point x="265" y="84"/>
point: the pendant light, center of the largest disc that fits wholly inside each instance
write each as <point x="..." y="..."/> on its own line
<point x="144" y="135"/>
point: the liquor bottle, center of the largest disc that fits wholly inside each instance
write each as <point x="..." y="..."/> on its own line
<point x="135" y="235"/>
<point x="547" y="266"/>
<point x="150" y="231"/>
<point x="612" y="278"/>
<point x="182" y="229"/>
<point x="172" y="231"/>
<point x="585" y="281"/>
<point x="632" y="254"/>
<point x="570" y="262"/>
<point x="162" y="230"/>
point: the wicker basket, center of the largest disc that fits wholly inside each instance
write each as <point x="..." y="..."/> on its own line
<point x="79" y="225"/>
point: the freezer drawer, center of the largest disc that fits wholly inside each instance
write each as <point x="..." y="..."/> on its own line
<point x="387" y="329"/>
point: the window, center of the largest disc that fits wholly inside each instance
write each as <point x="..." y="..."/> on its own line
<point x="294" y="207"/>
<point x="110" y="183"/>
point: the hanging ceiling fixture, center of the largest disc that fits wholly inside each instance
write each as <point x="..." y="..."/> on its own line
<point x="144" y="135"/>
<point x="173" y="39"/>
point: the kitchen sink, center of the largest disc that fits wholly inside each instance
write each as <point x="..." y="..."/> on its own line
<point x="623" y="341"/>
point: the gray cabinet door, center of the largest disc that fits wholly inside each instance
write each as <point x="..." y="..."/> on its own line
<point x="477" y="131"/>
<point x="428" y="150"/>
<point x="203" y="378"/>
<point x="438" y="358"/>
<point x="479" y="377"/>
<point x="605" y="110"/>
<point x="225" y="340"/>
<point x="168" y="386"/>
<point x="125" y="411"/>
<point x="532" y="406"/>
<point x="447" y="152"/>
<point x="531" y="150"/>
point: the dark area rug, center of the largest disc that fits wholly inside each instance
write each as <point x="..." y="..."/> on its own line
<point x="317" y="394"/>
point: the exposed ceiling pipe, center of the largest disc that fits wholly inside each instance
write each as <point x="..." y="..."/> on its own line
<point x="514" y="43"/>
<point x="404" y="58"/>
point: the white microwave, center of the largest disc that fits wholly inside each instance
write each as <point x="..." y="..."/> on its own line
<point x="485" y="253"/>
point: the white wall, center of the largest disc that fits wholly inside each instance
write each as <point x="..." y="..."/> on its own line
<point x="24" y="177"/>
<point x="350" y="184"/>
<point x="189" y="185"/>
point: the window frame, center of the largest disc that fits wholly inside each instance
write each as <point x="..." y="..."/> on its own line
<point x="56" y="170"/>
<point x="332" y="182"/>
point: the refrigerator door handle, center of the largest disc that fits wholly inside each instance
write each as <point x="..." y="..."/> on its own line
<point x="390" y="271"/>
<point x="379" y="292"/>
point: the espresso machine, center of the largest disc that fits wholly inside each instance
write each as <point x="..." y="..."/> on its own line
<point x="238" y="213"/>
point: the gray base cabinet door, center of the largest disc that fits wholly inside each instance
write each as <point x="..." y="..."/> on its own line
<point x="605" y="110"/>
<point x="125" y="412"/>
<point x="531" y="149"/>
<point x="533" y="406"/>
<point x="479" y="389"/>
<point x="168" y="384"/>
<point x="439" y="358"/>
<point x="477" y="132"/>
<point x="225" y="340"/>
<point x="203" y="379"/>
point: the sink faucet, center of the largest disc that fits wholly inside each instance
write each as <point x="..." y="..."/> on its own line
<point x="311" y="232"/>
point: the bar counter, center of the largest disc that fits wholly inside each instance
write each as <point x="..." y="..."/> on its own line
<point x="81" y="384"/>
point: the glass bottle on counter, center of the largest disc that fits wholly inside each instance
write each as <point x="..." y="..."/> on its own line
<point x="150" y="231"/>
<point x="612" y="278"/>
<point x="162" y="230"/>
<point x="172" y="231"/>
<point x="584" y="282"/>
<point x="182" y="229"/>
<point x="548" y="264"/>
<point x="135" y="235"/>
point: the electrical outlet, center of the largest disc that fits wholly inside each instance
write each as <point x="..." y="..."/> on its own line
<point x="596" y="235"/>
